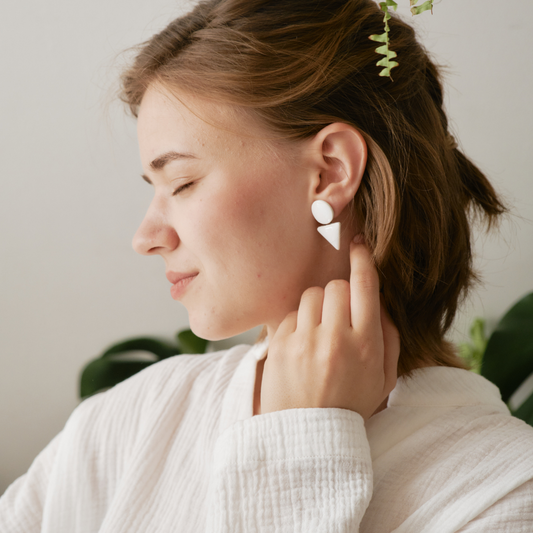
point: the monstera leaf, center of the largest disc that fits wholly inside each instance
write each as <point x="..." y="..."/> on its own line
<point x="508" y="357"/>
<point x="114" y="365"/>
<point x="190" y="343"/>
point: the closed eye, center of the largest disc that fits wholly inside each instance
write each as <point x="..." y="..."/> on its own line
<point x="182" y="187"/>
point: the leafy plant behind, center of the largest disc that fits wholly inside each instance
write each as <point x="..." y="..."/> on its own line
<point x="506" y="358"/>
<point x="109" y="369"/>
<point x="473" y="352"/>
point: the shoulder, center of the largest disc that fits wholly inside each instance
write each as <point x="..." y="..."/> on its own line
<point x="177" y="376"/>
<point x="113" y="427"/>
<point x="179" y="384"/>
<point x="513" y="512"/>
<point x="468" y="405"/>
<point x="449" y="445"/>
<point x="452" y="418"/>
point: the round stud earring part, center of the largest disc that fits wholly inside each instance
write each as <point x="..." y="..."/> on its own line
<point x="322" y="211"/>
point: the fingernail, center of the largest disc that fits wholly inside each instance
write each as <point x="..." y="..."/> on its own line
<point x="359" y="239"/>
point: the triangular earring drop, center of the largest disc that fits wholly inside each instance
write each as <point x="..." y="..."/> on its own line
<point x="332" y="234"/>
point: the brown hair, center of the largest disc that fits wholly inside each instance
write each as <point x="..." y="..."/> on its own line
<point x="300" y="65"/>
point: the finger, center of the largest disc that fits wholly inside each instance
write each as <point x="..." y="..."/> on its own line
<point x="391" y="342"/>
<point x="288" y="325"/>
<point x="310" y="310"/>
<point x="364" y="290"/>
<point x="336" y="306"/>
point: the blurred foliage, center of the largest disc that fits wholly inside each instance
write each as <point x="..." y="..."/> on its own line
<point x="114" y="365"/>
<point x="506" y="357"/>
<point x="472" y="352"/>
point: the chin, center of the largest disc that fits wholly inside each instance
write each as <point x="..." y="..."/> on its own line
<point x="217" y="330"/>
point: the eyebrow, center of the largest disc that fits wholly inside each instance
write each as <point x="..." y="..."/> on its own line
<point x="160" y="161"/>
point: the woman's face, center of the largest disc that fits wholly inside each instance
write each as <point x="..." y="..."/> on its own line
<point x="229" y="209"/>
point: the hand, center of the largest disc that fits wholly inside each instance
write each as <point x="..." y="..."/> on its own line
<point x="340" y="349"/>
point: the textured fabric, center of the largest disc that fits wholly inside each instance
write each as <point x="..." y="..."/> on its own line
<point x="176" y="449"/>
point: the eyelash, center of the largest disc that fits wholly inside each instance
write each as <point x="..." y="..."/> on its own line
<point x="179" y="189"/>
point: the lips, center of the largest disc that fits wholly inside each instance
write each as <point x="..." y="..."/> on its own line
<point x="180" y="281"/>
<point x="174" y="277"/>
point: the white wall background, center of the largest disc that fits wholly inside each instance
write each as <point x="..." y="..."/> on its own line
<point x="71" y="196"/>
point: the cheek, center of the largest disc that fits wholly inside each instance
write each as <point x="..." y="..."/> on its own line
<point x="247" y="233"/>
<point x="238" y="218"/>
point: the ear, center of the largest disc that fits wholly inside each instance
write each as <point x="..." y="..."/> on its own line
<point x="338" y="156"/>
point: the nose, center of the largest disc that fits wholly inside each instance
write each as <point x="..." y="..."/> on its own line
<point x="155" y="235"/>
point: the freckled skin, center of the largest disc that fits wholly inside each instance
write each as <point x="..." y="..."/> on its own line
<point x="245" y="224"/>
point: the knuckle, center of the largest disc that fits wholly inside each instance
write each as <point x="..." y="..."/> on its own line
<point x="367" y="352"/>
<point x="338" y="285"/>
<point x="291" y="315"/>
<point x="313" y="292"/>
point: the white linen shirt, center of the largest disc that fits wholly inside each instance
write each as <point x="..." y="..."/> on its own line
<point x="176" y="448"/>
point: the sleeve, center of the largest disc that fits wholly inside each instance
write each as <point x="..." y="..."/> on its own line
<point x="511" y="514"/>
<point x="74" y="466"/>
<point x="21" y="506"/>
<point x="291" y="470"/>
<point x="83" y="463"/>
<point x="75" y="478"/>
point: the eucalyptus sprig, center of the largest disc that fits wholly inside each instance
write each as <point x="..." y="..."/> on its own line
<point x="416" y="10"/>
<point x="387" y="62"/>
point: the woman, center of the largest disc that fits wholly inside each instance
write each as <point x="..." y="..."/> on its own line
<point x="296" y="188"/>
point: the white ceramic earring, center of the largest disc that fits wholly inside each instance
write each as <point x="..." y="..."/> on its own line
<point x="324" y="214"/>
<point x="322" y="211"/>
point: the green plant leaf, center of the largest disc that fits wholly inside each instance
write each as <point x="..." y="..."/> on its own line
<point x="416" y="10"/>
<point x="384" y="38"/>
<point x="101" y="374"/>
<point x="477" y="334"/>
<point x="388" y="65"/>
<point x="190" y="343"/>
<point x="525" y="411"/>
<point x="466" y="351"/>
<point x="386" y="61"/>
<point x="508" y="358"/>
<point x="473" y="352"/>
<point x="388" y="3"/>
<point x="386" y="52"/>
<point x="159" y="348"/>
